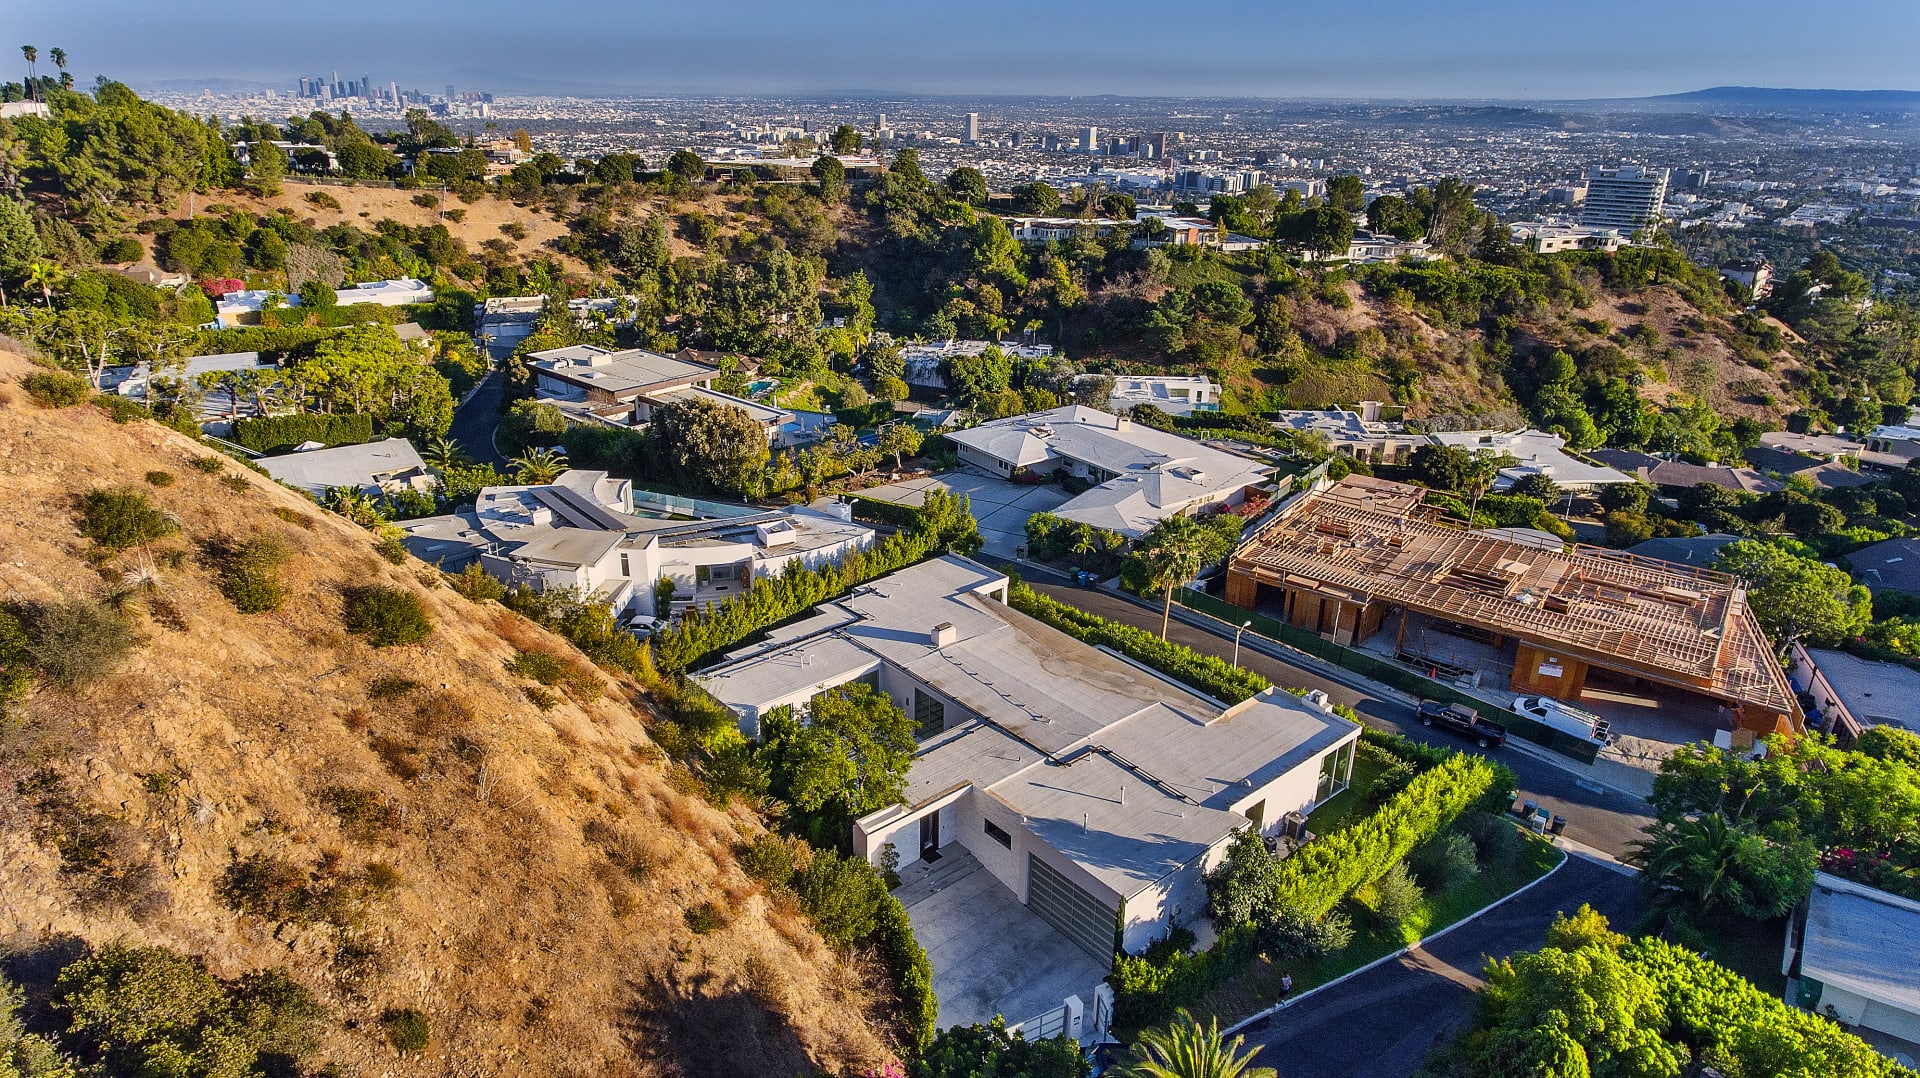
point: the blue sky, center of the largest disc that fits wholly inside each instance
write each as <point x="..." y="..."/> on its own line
<point x="1328" y="48"/>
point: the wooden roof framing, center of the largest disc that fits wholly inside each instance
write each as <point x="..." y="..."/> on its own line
<point x="1671" y="623"/>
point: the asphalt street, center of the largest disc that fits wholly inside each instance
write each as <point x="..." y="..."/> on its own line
<point x="475" y="419"/>
<point x="1604" y="819"/>
<point x="1383" y="1022"/>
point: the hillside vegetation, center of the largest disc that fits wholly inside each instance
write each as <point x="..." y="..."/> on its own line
<point x="446" y="857"/>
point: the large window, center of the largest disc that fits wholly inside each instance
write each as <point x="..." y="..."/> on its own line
<point x="929" y="713"/>
<point x="998" y="834"/>
<point x="1336" y="772"/>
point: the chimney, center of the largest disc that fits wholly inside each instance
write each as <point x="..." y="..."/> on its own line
<point x="1122" y="424"/>
<point x="944" y="635"/>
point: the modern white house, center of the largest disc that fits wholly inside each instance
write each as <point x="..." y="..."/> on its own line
<point x="243" y="308"/>
<point x="1537" y="453"/>
<point x="622" y="388"/>
<point x="923" y="361"/>
<point x="1093" y="789"/>
<point x="1853" y="954"/>
<point x="372" y="468"/>
<point x="1140" y="475"/>
<point x="1546" y="237"/>
<point x="1172" y="394"/>
<point x="1361" y="435"/>
<point x="590" y="531"/>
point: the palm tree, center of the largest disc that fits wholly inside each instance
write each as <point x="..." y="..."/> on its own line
<point x="43" y="275"/>
<point x="443" y="452"/>
<point x="32" y="54"/>
<point x="59" y="57"/>
<point x="1187" y="1049"/>
<point x="1482" y="469"/>
<point x="1174" y="559"/>
<point x="538" y="467"/>
<point x="1084" y="543"/>
<point x="356" y="506"/>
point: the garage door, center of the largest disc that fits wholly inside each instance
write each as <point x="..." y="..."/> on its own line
<point x="1068" y="907"/>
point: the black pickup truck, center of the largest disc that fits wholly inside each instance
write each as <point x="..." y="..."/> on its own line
<point x="1464" y="721"/>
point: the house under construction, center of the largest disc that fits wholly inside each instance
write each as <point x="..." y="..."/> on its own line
<point x="1341" y="559"/>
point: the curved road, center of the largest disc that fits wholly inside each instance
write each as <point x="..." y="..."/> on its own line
<point x="476" y="417"/>
<point x="1604" y="819"/>
<point x="1382" y="1023"/>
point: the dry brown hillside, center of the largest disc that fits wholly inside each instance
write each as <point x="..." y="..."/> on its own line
<point x="413" y="831"/>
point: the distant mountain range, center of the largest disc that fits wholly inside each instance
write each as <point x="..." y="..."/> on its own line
<point x="216" y="85"/>
<point x="1774" y="97"/>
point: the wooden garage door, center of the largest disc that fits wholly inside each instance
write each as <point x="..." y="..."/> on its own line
<point x="1068" y="907"/>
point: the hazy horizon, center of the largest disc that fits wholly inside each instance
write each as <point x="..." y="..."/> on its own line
<point x="1388" y="49"/>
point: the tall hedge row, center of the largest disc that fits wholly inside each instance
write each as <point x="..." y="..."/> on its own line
<point x="702" y="631"/>
<point x="1321" y="873"/>
<point x="273" y="433"/>
<point x="1209" y="673"/>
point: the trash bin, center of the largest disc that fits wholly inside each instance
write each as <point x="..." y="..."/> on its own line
<point x="1558" y="826"/>
<point x="1528" y="808"/>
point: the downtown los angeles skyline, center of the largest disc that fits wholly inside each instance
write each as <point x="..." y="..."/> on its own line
<point x="1493" y="49"/>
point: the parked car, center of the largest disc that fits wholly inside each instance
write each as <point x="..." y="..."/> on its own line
<point x="1564" y="717"/>
<point x="643" y="626"/>
<point x="1463" y="720"/>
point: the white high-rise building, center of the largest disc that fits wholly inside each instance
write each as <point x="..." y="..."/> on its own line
<point x="973" y="127"/>
<point x="1092" y="141"/>
<point x="1627" y="198"/>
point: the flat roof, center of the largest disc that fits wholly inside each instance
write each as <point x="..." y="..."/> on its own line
<point x="1538" y="452"/>
<point x="1126" y="772"/>
<point x="1863" y="940"/>
<point x="353" y="466"/>
<point x="1367" y="540"/>
<point x="632" y="371"/>
<point x="1874" y="692"/>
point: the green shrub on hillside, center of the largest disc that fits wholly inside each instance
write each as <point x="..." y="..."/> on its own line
<point x="121" y="519"/>
<point x="387" y="617"/>
<point x="56" y="389"/>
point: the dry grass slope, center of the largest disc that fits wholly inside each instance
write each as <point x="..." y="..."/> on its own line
<point x="423" y="836"/>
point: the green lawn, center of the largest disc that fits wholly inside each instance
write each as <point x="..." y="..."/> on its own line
<point x="1258" y="986"/>
<point x="1338" y="810"/>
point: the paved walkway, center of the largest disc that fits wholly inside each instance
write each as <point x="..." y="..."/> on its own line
<point x="1382" y="1023"/>
<point x="1597" y="815"/>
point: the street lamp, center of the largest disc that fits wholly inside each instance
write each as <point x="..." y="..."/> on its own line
<point x="1244" y="626"/>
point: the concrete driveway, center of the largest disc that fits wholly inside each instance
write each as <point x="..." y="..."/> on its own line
<point x="1002" y="508"/>
<point x="991" y="955"/>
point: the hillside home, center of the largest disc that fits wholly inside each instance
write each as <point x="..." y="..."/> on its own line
<point x="373" y="468"/>
<point x="586" y="530"/>
<point x="1096" y="791"/>
<point x="1141" y="476"/>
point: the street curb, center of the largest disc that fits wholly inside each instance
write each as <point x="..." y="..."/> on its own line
<point x="1401" y="953"/>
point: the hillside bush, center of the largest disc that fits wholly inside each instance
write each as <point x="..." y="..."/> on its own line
<point x="120" y="409"/>
<point x="72" y="644"/>
<point x="475" y="585"/>
<point x="250" y="572"/>
<point x="408" y="1030"/>
<point x="149" y="1011"/>
<point x="159" y="478"/>
<point x="848" y="901"/>
<point x="123" y="518"/>
<point x="387" y="617"/>
<point x="56" y="389"/>
<point x="270" y="434"/>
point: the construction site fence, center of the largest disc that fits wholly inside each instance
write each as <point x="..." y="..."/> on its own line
<point x="1389" y="673"/>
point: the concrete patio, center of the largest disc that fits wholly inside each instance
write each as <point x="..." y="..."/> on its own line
<point x="1001" y="507"/>
<point x="991" y="955"/>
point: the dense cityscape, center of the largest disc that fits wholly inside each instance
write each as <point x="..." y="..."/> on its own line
<point x="927" y="584"/>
